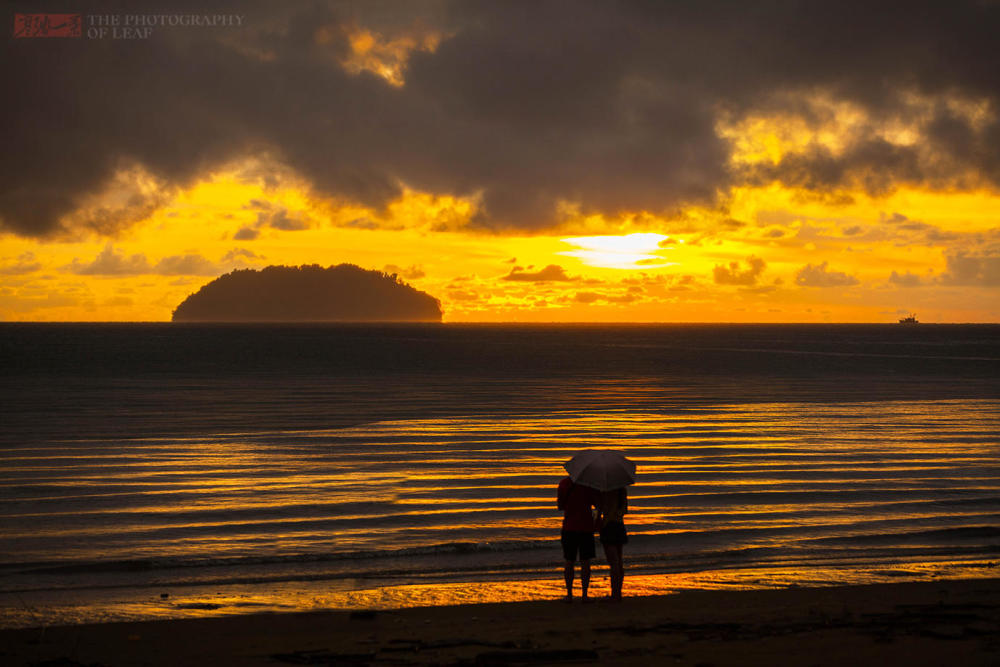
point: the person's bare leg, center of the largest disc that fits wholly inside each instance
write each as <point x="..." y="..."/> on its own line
<point x="584" y="577"/>
<point x="621" y="569"/>
<point x="617" y="566"/>
<point x="568" y="575"/>
<point x="609" y="555"/>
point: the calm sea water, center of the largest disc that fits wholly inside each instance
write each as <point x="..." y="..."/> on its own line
<point x="169" y="470"/>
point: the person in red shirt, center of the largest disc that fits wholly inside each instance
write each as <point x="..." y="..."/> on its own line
<point x="577" y="537"/>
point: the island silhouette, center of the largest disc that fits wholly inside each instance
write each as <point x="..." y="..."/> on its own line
<point x="308" y="293"/>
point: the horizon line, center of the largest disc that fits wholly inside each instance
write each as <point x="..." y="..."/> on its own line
<point x="487" y="322"/>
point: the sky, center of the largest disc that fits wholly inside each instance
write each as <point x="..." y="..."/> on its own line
<point x="584" y="161"/>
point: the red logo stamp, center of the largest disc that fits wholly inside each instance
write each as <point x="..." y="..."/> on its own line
<point x="47" y="25"/>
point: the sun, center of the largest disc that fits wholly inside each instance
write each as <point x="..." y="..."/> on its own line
<point x="641" y="250"/>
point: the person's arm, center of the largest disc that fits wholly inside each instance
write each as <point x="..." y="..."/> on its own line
<point x="561" y="496"/>
<point x="624" y="502"/>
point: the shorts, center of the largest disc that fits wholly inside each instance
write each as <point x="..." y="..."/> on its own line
<point x="577" y="540"/>
<point x="613" y="532"/>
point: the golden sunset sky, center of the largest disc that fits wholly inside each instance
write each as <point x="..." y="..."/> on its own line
<point x="528" y="162"/>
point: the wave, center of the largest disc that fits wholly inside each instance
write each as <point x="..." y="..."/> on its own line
<point x="383" y="569"/>
<point x="680" y="547"/>
<point x="936" y="536"/>
<point x="178" y="562"/>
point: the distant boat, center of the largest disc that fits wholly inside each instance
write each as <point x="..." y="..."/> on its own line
<point x="909" y="319"/>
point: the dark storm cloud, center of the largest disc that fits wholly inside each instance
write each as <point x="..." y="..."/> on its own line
<point x="613" y="106"/>
<point x="733" y="274"/>
<point x="246" y="234"/>
<point x="110" y="262"/>
<point x="190" y="264"/>
<point x="821" y="276"/>
<point x="271" y="215"/>
<point x="906" y="279"/>
<point x="24" y="263"/>
<point x="981" y="270"/>
<point x="551" y="273"/>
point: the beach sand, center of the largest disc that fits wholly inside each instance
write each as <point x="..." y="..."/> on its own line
<point x="912" y="624"/>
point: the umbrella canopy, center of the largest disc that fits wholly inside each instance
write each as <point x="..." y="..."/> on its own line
<point x="601" y="469"/>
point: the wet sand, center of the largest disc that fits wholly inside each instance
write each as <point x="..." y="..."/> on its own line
<point x="912" y="624"/>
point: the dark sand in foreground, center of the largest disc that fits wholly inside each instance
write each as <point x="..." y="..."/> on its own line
<point x="933" y="623"/>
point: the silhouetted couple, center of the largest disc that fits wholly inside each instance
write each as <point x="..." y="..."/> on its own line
<point x="579" y="524"/>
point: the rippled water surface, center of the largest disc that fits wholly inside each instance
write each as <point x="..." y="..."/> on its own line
<point x="412" y="462"/>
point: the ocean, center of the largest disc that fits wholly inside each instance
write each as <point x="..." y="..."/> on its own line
<point x="170" y="470"/>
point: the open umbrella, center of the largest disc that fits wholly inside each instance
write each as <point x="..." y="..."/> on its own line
<point x="601" y="469"/>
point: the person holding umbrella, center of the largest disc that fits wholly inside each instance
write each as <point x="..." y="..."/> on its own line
<point x="608" y="472"/>
<point x="577" y="536"/>
<point x="611" y="522"/>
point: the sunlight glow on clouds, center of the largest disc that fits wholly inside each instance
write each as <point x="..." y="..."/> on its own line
<point x="373" y="52"/>
<point x="520" y="166"/>
<point x="631" y="251"/>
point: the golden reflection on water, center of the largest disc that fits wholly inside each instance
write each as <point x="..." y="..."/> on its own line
<point x="193" y="602"/>
<point x="726" y="477"/>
